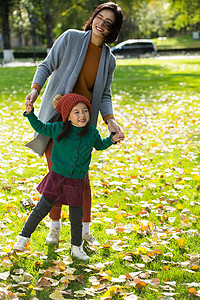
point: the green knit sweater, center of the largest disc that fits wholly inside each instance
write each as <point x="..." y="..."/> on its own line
<point x="71" y="156"/>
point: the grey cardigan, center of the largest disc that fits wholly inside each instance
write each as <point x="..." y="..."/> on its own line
<point x="64" y="63"/>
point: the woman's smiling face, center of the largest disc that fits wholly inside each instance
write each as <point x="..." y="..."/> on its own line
<point x="102" y="25"/>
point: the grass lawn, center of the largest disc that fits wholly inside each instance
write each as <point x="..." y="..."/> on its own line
<point x="178" y="42"/>
<point x="146" y="206"/>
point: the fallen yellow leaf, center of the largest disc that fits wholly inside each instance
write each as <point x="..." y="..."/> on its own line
<point x="179" y="206"/>
<point x="56" y="296"/>
<point x="192" y="291"/>
<point x="181" y="242"/>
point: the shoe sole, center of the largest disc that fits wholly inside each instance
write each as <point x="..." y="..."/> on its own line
<point x="51" y="243"/>
<point x="18" y="249"/>
<point x="93" y="244"/>
<point x="80" y="258"/>
<point x="96" y="244"/>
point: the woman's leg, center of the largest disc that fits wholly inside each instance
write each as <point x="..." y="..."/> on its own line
<point x="87" y="201"/>
<point x="87" y="214"/>
<point x="40" y="211"/>
<point x="87" y="207"/>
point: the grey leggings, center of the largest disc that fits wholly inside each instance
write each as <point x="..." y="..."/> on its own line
<point x="40" y="211"/>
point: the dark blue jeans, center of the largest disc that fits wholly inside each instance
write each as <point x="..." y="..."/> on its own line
<point x="40" y="211"/>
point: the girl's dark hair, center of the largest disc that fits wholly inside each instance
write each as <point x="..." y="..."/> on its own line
<point x="119" y="19"/>
<point x="67" y="129"/>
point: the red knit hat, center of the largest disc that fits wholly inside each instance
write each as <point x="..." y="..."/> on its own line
<point x="68" y="101"/>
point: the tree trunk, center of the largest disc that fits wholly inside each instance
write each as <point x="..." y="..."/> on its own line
<point x="7" y="52"/>
<point x="49" y="29"/>
<point x="5" y="9"/>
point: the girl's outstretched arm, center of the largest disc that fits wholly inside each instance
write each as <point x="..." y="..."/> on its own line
<point x="47" y="129"/>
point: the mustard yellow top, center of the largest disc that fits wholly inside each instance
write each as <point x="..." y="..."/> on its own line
<point x="85" y="82"/>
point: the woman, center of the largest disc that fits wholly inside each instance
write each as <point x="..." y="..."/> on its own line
<point x="79" y="62"/>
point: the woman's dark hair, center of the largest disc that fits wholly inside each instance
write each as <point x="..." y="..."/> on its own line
<point x="116" y="28"/>
<point x="67" y="129"/>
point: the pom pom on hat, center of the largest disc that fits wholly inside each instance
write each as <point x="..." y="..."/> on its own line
<point x="56" y="99"/>
<point x="65" y="104"/>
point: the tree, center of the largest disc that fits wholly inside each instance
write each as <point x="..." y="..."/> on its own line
<point x="5" y="8"/>
<point x="132" y="10"/>
<point x="186" y="14"/>
<point x="48" y="13"/>
<point x="154" y="19"/>
<point x="20" y="22"/>
<point x="75" y="14"/>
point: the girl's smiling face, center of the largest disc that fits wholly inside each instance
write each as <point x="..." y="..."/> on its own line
<point x="79" y="115"/>
<point x="102" y="25"/>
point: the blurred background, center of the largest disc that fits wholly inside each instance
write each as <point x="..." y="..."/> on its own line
<point x="28" y="28"/>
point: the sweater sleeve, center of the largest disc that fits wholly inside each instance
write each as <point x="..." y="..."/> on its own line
<point x="102" y="143"/>
<point x="47" y="129"/>
<point x="51" y="62"/>
<point x="106" y="108"/>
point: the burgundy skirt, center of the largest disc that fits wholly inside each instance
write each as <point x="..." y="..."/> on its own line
<point x="58" y="188"/>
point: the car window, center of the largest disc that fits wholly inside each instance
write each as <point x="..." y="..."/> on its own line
<point x="128" y="46"/>
<point x="145" y="45"/>
<point x="135" y="45"/>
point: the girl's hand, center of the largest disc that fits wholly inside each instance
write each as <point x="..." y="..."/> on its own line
<point x="116" y="138"/>
<point x="113" y="127"/>
<point x="29" y="107"/>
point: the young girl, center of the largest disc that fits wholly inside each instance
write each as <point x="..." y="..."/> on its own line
<point x="73" y="140"/>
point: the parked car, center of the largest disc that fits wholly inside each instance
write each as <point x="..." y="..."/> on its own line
<point x="136" y="48"/>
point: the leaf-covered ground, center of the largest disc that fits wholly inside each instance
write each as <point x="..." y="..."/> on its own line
<point x="145" y="210"/>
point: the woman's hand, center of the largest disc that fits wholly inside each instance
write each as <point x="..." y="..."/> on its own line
<point x="32" y="96"/>
<point x="30" y="99"/>
<point x="113" y="127"/>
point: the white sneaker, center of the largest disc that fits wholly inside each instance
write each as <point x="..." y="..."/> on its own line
<point x="21" y="243"/>
<point x="88" y="237"/>
<point x="78" y="252"/>
<point x="53" y="236"/>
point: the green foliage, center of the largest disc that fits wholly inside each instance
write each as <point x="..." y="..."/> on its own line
<point x="186" y="14"/>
